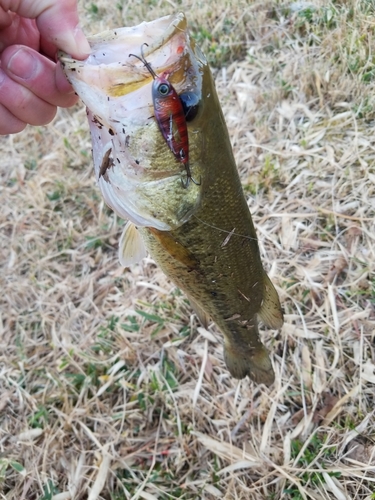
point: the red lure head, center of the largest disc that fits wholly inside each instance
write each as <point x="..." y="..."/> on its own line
<point x="170" y="116"/>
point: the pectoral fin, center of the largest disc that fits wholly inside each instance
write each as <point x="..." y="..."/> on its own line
<point x="131" y="248"/>
<point x="271" y="313"/>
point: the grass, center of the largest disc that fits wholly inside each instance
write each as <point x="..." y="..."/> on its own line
<point x="109" y="388"/>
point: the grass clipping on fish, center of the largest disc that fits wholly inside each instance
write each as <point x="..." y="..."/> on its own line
<point x="109" y="388"/>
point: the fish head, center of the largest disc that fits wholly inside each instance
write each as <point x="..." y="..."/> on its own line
<point x="140" y="176"/>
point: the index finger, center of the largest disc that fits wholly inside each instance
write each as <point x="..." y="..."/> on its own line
<point x="57" y="22"/>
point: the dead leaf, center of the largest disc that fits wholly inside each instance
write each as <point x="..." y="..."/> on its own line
<point x="4" y="400"/>
<point x="361" y="452"/>
<point x="352" y="235"/>
<point x="322" y="410"/>
<point x="338" y="267"/>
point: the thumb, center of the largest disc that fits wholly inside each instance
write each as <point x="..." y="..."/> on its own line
<point x="57" y="22"/>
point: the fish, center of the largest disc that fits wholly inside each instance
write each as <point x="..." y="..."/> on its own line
<point x="201" y="234"/>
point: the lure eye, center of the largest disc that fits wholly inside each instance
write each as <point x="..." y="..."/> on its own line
<point x="190" y="104"/>
<point x="163" y="89"/>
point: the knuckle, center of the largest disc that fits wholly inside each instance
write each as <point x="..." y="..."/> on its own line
<point x="24" y="101"/>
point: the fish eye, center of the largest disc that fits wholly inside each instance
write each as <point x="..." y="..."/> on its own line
<point x="190" y="105"/>
<point x="163" y="89"/>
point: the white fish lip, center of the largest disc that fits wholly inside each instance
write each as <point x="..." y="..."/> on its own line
<point x="116" y="89"/>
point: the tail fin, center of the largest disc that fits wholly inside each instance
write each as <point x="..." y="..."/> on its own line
<point x="244" y="354"/>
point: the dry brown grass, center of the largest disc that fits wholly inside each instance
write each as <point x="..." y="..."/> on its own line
<point x="109" y="387"/>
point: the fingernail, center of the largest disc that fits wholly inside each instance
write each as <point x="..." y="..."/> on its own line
<point x="81" y="41"/>
<point x="22" y="64"/>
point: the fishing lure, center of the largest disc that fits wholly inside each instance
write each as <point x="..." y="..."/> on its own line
<point x="170" y="116"/>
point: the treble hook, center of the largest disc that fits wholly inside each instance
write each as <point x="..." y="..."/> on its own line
<point x="143" y="59"/>
<point x="189" y="177"/>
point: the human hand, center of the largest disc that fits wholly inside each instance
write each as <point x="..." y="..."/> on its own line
<point x="32" y="84"/>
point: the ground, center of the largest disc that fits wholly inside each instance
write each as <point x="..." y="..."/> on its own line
<point x="109" y="387"/>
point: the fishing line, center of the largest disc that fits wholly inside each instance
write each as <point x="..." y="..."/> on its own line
<point x="232" y="233"/>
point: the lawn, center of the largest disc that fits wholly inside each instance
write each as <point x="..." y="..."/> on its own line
<point x="109" y="386"/>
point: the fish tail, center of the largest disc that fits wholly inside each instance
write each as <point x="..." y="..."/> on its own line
<point x="244" y="354"/>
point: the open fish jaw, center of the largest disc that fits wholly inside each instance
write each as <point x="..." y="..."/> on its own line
<point x="138" y="175"/>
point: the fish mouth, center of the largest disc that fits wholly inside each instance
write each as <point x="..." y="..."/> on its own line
<point x="110" y="75"/>
<point x="163" y="41"/>
<point x="139" y="176"/>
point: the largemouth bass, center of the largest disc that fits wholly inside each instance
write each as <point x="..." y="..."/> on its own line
<point x="200" y="233"/>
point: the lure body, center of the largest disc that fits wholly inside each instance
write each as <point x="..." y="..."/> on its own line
<point x="170" y="117"/>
